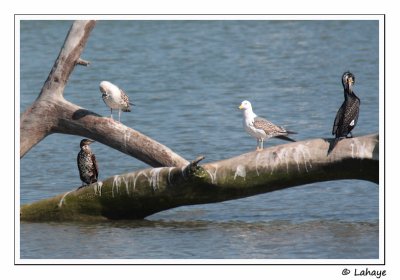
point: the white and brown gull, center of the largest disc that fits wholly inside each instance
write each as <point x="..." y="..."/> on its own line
<point x="260" y="128"/>
<point x="115" y="98"/>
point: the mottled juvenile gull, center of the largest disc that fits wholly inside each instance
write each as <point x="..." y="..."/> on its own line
<point x="115" y="98"/>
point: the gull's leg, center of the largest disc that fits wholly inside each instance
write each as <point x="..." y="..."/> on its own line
<point x="262" y="144"/>
<point x="111" y="114"/>
<point x="119" y="115"/>
<point x="258" y="145"/>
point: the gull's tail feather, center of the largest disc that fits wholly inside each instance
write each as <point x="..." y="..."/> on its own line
<point x="283" y="137"/>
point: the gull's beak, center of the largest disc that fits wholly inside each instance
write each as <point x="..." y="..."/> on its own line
<point x="240" y="107"/>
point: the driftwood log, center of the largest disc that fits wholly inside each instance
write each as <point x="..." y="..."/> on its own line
<point x="173" y="181"/>
<point x="141" y="193"/>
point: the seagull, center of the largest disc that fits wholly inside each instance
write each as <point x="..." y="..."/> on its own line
<point x="260" y="128"/>
<point x="347" y="115"/>
<point x="87" y="164"/>
<point x="115" y="98"/>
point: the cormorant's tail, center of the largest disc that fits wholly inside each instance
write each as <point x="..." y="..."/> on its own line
<point x="283" y="137"/>
<point x="333" y="144"/>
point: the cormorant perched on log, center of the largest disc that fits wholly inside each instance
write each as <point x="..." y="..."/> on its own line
<point x="347" y="115"/>
<point x="87" y="164"/>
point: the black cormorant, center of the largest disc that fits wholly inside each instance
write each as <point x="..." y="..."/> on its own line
<point x="347" y="115"/>
<point x="87" y="164"/>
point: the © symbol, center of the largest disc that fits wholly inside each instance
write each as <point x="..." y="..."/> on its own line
<point x="345" y="271"/>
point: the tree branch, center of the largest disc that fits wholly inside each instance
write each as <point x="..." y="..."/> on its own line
<point x="141" y="193"/>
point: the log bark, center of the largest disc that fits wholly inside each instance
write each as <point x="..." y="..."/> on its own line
<point x="139" y="194"/>
<point x="51" y="113"/>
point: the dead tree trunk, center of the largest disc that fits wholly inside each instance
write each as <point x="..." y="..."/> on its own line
<point x="51" y="113"/>
<point x="141" y="193"/>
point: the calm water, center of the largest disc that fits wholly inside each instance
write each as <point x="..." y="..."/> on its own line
<point x="187" y="79"/>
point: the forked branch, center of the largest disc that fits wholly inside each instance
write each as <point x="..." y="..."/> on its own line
<point x="51" y="113"/>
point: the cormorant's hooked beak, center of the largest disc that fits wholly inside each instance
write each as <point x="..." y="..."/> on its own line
<point x="350" y="84"/>
<point x="91" y="141"/>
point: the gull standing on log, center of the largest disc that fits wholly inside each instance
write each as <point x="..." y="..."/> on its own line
<point x="260" y="128"/>
<point x="115" y="98"/>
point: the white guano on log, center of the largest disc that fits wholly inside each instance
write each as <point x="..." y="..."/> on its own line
<point x="138" y="194"/>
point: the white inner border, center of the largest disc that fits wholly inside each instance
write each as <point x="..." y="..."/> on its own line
<point x="380" y="18"/>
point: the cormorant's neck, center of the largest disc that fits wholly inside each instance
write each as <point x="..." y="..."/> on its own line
<point x="347" y="93"/>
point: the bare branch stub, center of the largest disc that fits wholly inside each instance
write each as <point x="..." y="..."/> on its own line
<point x="82" y="62"/>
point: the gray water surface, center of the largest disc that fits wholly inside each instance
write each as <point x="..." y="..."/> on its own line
<point x="187" y="79"/>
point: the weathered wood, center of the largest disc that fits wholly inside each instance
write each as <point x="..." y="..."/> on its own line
<point x="39" y="119"/>
<point x="78" y="121"/>
<point x="51" y="113"/>
<point x="141" y="193"/>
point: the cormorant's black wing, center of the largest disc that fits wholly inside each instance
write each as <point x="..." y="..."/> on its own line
<point x="347" y="116"/>
<point x="77" y="162"/>
<point x="339" y="119"/>
<point x="95" y="166"/>
<point x="352" y="112"/>
<point x="79" y="168"/>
